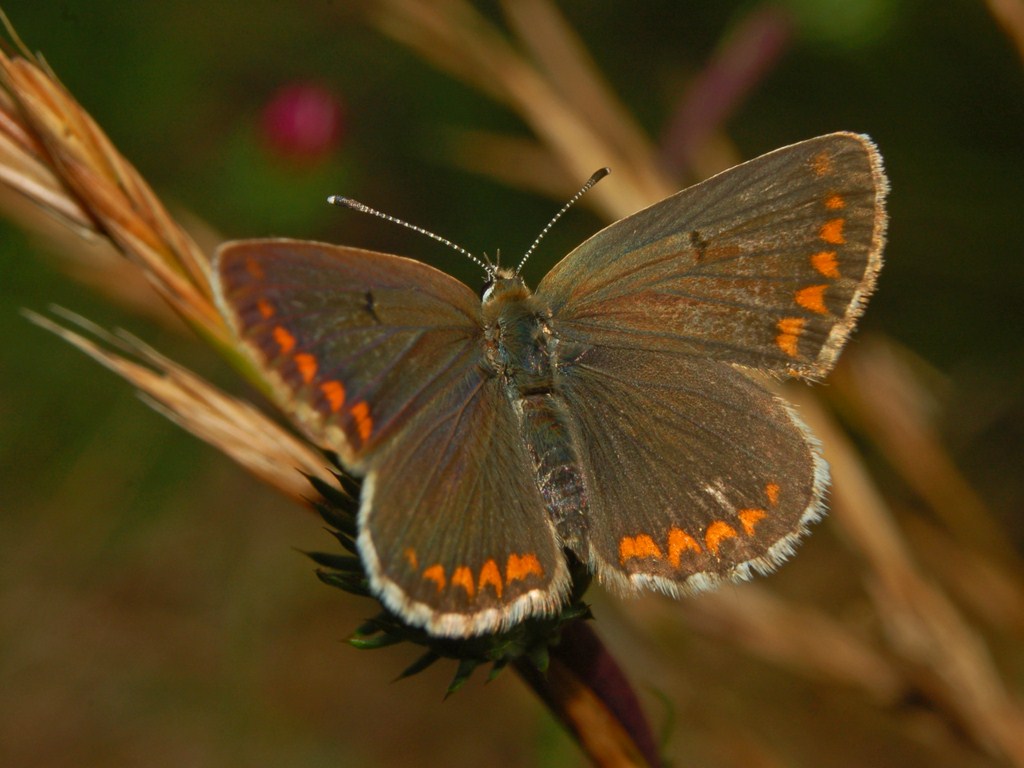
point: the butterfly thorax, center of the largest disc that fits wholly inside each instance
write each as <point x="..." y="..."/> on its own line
<point x="520" y="350"/>
<point x="517" y="337"/>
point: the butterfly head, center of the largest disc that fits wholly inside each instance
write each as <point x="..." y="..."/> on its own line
<point x="503" y="286"/>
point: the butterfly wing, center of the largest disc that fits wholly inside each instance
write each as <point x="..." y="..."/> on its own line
<point x="766" y="265"/>
<point x="378" y="358"/>
<point x="352" y="341"/>
<point x="453" y="530"/>
<point x="693" y="471"/>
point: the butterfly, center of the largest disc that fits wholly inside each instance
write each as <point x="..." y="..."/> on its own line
<point x="614" y="415"/>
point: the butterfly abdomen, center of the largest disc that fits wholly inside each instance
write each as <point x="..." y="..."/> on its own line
<point x="556" y="465"/>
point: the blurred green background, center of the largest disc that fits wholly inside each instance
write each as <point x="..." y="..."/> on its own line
<point x="153" y="607"/>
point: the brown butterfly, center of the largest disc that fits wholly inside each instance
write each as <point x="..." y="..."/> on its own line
<point x="610" y="413"/>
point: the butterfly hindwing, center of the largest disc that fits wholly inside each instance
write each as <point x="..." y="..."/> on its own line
<point x="453" y="528"/>
<point x="694" y="473"/>
<point x="766" y="265"/>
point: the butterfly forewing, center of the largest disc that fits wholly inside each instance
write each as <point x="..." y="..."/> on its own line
<point x="353" y="341"/>
<point x="766" y="264"/>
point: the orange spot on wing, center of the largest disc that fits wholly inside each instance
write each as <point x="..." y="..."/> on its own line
<point x="718" y="532"/>
<point x="364" y="424"/>
<point x="832" y="231"/>
<point x="489" y="574"/>
<point x="750" y="518"/>
<point x="463" y="577"/>
<point x="812" y="298"/>
<point x="410" y="556"/>
<point x="835" y="202"/>
<point x="679" y="541"/>
<point x="334" y="391"/>
<point x="825" y="262"/>
<point x="771" y="490"/>
<point x="821" y="164"/>
<point x="789" y="329"/>
<point x="435" y="573"/>
<point x="521" y="566"/>
<point x="284" y="340"/>
<point x="641" y="545"/>
<point x="306" y="364"/>
<point x="254" y="268"/>
<point x="266" y="309"/>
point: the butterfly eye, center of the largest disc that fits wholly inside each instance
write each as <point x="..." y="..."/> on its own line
<point x="485" y="289"/>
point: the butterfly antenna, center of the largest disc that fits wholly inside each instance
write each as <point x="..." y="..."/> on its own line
<point x="355" y="205"/>
<point x="572" y="200"/>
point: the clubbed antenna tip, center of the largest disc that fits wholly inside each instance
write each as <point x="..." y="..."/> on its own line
<point x="596" y="177"/>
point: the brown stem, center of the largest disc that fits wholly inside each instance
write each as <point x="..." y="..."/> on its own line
<point x="586" y="689"/>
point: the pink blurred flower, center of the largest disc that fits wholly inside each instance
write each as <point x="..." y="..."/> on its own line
<point x="303" y="122"/>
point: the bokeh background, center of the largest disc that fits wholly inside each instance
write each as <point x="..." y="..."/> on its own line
<point x="154" y="606"/>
